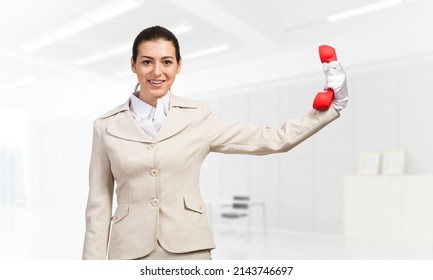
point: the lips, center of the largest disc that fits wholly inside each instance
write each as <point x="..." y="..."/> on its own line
<point x="156" y="83"/>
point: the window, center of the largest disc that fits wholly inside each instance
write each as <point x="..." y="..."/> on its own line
<point x="11" y="177"/>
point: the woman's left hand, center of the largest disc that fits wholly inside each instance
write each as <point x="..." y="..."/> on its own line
<point x="336" y="80"/>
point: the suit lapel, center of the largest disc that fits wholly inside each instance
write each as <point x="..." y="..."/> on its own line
<point x="177" y="118"/>
<point x="124" y="126"/>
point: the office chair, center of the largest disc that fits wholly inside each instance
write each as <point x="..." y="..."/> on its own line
<point x="239" y="209"/>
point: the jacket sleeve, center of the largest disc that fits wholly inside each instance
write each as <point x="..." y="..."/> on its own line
<point x="245" y="138"/>
<point x="100" y="199"/>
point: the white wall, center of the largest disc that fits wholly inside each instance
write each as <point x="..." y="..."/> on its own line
<point x="389" y="109"/>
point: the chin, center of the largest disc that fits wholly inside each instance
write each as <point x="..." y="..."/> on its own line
<point x="159" y="93"/>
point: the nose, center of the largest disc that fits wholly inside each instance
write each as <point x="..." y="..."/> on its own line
<point x="157" y="69"/>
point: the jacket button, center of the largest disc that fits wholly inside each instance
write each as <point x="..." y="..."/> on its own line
<point x="151" y="146"/>
<point x="153" y="172"/>
<point x="154" y="202"/>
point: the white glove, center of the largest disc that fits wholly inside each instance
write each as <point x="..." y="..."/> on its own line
<point x="336" y="79"/>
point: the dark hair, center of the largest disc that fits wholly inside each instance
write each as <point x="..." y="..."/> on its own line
<point x="152" y="34"/>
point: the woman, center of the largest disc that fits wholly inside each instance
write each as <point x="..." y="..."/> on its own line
<point x="153" y="146"/>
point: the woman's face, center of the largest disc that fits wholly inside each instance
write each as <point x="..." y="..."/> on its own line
<point x="156" y="68"/>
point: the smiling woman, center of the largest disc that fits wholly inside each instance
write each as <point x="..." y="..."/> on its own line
<point x="152" y="148"/>
<point x="156" y="69"/>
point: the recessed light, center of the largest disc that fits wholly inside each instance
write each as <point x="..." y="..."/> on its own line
<point x="206" y="52"/>
<point x="364" y="9"/>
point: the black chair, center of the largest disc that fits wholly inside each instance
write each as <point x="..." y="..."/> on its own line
<point x="239" y="208"/>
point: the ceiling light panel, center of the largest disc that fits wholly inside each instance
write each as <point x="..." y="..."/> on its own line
<point x="102" y="55"/>
<point x="17" y="83"/>
<point x="364" y="9"/>
<point x="112" y="10"/>
<point x="207" y="52"/>
<point x="105" y="13"/>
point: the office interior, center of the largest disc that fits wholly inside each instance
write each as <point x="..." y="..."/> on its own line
<point x="64" y="63"/>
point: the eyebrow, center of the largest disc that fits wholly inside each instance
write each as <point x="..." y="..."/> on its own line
<point x="149" y="57"/>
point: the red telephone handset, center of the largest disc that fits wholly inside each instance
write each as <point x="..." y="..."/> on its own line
<point x="324" y="99"/>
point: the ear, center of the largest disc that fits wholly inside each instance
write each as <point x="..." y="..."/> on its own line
<point x="179" y="66"/>
<point x="133" y="66"/>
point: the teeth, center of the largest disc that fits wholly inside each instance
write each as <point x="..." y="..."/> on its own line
<point x="155" y="82"/>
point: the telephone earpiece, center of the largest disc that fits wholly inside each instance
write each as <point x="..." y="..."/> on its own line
<point x="323" y="100"/>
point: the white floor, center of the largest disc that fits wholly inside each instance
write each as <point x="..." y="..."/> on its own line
<point x="278" y="245"/>
<point x="48" y="235"/>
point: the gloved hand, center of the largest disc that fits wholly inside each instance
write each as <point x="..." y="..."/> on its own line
<point x="336" y="80"/>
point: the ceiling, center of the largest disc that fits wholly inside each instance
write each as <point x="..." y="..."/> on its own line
<point x="72" y="52"/>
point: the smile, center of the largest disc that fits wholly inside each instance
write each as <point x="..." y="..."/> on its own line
<point x="156" y="84"/>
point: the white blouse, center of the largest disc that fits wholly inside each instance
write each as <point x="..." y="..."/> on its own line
<point x="148" y="117"/>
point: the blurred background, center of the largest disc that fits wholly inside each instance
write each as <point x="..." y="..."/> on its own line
<point x="362" y="188"/>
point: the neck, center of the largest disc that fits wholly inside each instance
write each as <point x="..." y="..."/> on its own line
<point x="151" y="100"/>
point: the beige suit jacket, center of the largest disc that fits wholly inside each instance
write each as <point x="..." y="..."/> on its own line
<point x="157" y="181"/>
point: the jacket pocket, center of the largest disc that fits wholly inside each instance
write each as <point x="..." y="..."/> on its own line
<point x="194" y="203"/>
<point x="121" y="212"/>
